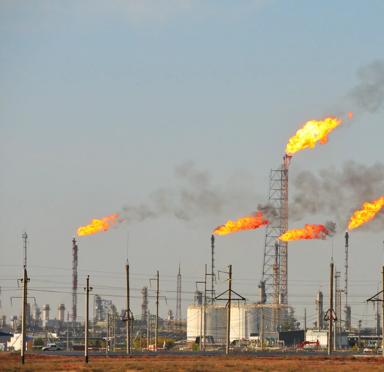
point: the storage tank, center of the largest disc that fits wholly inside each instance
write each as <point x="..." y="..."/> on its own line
<point x="239" y="328"/>
<point x="253" y="320"/>
<point x="216" y="316"/>
<point x="194" y="313"/>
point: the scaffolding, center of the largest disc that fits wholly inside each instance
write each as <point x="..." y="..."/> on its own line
<point x="275" y="262"/>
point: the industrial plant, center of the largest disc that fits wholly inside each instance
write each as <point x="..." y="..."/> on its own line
<point x="215" y="320"/>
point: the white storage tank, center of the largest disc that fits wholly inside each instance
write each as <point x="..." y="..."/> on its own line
<point x="253" y="320"/>
<point x="239" y="326"/>
<point x="216" y="316"/>
<point x="194" y="313"/>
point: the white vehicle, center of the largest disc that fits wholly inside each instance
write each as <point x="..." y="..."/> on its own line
<point x="51" y="347"/>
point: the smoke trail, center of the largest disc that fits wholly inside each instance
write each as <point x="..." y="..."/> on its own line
<point x="337" y="193"/>
<point x="331" y="227"/>
<point x="195" y="195"/>
<point x="269" y="211"/>
<point x="368" y="94"/>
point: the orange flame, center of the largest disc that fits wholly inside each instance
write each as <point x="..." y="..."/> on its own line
<point x="308" y="232"/>
<point x="97" y="226"/>
<point x="367" y="213"/>
<point x="312" y="132"/>
<point x="244" y="223"/>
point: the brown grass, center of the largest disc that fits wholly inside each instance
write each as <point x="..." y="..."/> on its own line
<point x="168" y="363"/>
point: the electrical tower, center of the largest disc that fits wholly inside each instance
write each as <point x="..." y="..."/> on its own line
<point x="275" y="263"/>
<point x="74" y="279"/>
<point x="178" y="300"/>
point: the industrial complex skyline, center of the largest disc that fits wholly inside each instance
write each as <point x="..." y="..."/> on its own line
<point x="173" y="116"/>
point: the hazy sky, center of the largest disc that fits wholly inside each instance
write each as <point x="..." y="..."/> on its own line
<point x="106" y="104"/>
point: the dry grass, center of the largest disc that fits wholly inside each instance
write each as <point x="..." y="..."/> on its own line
<point x="168" y="363"/>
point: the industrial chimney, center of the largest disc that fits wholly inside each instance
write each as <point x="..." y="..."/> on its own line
<point x="45" y="315"/>
<point x="144" y="304"/>
<point x="61" y="313"/>
<point x="319" y="310"/>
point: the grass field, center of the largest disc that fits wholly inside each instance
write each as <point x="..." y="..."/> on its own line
<point x="10" y="362"/>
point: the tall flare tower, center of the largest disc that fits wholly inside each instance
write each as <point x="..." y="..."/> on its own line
<point x="275" y="262"/>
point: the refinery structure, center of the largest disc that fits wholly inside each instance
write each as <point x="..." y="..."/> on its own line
<point x="215" y="319"/>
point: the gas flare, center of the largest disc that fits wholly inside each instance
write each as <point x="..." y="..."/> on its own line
<point x="308" y="232"/>
<point x="367" y="213"/>
<point x="99" y="225"/>
<point x="312" y="132"/>
<point x="245" y="223"/>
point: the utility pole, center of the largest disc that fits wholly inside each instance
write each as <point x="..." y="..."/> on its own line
<point x="229" y="305"/>
<point x="108" y="335"/>
<point x="229" y="310"/>
<point x="25" y="281"/>
<point x="262" y="327"/>
<point x="377" y="299"/>
<point x="178" y="301"/>
<point x="305" y="320"/>
<point x="212" y="268"/>
<point x="337" y="324"/>
<point x="382" y="311"/>
<point x="24" y="320"/>
<point x="330" y="312"/>
<point x="148" y="329"/>
<point x="359" y="330"/>
<point x="205" y="308"/>
<point x="86" y="325"/>
<point x="128" y="312"/>
<point x="157" y="308"/>
<point x="67" y="338"/>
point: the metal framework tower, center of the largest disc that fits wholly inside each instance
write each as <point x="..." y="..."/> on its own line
<point x="275" y="263"/>
<point x="178" y="299"/>
<point x="74" y="279"/>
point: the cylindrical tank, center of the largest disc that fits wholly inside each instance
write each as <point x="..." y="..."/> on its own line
<point x="194" y="313"/>
<point x="61" y="313"/>
<point x="253" y="317"/>
<point x="216" y="316"/>
<point x="239" y="326"/>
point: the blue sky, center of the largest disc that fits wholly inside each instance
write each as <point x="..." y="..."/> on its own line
<point x="101" y="100"/>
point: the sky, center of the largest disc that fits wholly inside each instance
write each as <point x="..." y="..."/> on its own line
<point x="116" y="104"/>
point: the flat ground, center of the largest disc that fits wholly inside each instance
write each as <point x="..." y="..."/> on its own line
<point x="10" y="362"/>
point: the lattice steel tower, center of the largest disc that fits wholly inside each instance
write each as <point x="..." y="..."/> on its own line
<point x="178" y="299"/>
<point x="275" y="263"/>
